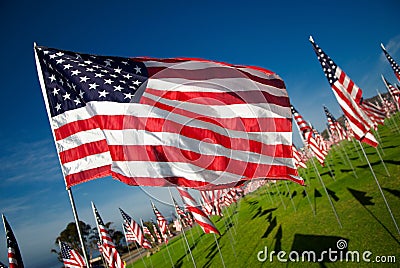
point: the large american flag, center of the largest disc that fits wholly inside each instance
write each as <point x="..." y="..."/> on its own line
<point x="71" y="257"/>
<point x="199" y="215"/>
<point x="134" y="228"/>
<point x="348" y="95"/>
<point x="393" y="64"/>
<point x="109" y="250"/>
<point x="163" y="122"/>
<point x="14" y="255"/>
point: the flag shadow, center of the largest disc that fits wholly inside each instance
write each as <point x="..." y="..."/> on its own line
<point x="313" y="248"/>
<point x="365" y="201"/>
<point x="393" y="192"/>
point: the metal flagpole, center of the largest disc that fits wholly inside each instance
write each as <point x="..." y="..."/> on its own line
<point x="219" y="250"/>
<point x="330" y="170"/>
<point x="183" y="230"/>
<point x="71" y="198"/>
<point x="308" y="198"/>
<point x="355" y="148"/>
<point x="384" y="165"/>
<point x="290" y="196"/>
<point x="348" y="160"/>
<point x="284" y="206"/>
<point x="380" y="189"/>
<point x="319" y="176"/>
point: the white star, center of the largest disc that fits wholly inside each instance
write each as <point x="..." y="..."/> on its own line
<point x="113" y="75"/>
<point x="98" y="75"/>
<point x="60" y="54"/>
<point x="127" y="76"/>
<point x="118" y="88"/>
<point x="132" y="87"/>
<point x="59" y="61"/>
<point x="82" y="64"/>
<point x="125" y="62"/>
<point x="77" y="101"/>
<point x="84" y="79"/>
<point x="58" y="107"/>
<point x="67" y="66"/>
<point x="52" y="78"/>
<point x="123" y="81"/>
<point x="96" y="66"/>
<point x="118" y="70"/>
<point x="55" y="91"/>
<point x="108" y="81"/>
<point x="93" y="86"/>
<point x="138" y="69"/>
<point x="67" y="96"/>
<point x="107" y="62"/>
<point x="128" y="96"/>
<point x="52" y="56"/>
<point x="103" y="93"/>
<point x="75" y="72"/>
<point x="104" y="71"/>
<point x="81" y="94"/>
<point x="89" y="70"/>
<point x="61" y="82"/>
<point x="88" y="62"/>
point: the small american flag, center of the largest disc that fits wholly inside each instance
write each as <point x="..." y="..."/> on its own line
<point x="71" y="257"/>
<point x="394" y="92"/>
<point x="199" y="215"/>
<point x="159" y="122"/>
<point x="146" y="231"/>
<point x="348" y="95"/>
<point x="161" y="222"/>
<point x="129" y="236"/>
<point x="393" y="64"/>
<point x="134" y="228"/>
<point x="14" y="255"/>
<point x="298" y="160"/>
<point x="109" y="250"/>
<point x="334" y="125"/>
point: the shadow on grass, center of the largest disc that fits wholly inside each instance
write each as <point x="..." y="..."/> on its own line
<point x="270" y="228"/>
<point x="393" y="192"/>
<point x="316" y="195"/>
<point x="394" y="162"/>
<point x="372" y="164"/>
<point x="313" y="248"/>
<point x="332" y="194"/>
<point x="278" y="238"/>
<point x="389" y="147"/>
<point x="365" y="201"/>
<point x="261" y="212"/>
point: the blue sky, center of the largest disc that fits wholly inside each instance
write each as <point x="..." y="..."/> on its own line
<point x="270" y="34"/>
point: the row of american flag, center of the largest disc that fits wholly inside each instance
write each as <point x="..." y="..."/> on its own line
<point x="187" y="123"/>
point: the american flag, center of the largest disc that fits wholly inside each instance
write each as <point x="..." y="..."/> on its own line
<point x="181" y="214"/>
<point x="71" y="257"/>
<point x="298" y="161"/>
<point x="334" y="125"/>
<point x="307" y="134"/>
<point x="199" y="215"/>
<point x="393" y="64"/>
<point x="161" y="222"/>
<point x="146" y="231"/>
<point x="376" y="114"/>
<point x="157" y="233"/>
<point x="109" y="250"/>
<point x="394" y="92"/>
<point x="129" y="236"/>
<point x="212" y="201"/>
<point x="159" y="122"/>
<point x="134" y="228"/>
<point x="14" y="255"/>
<point x="348" y="95"/>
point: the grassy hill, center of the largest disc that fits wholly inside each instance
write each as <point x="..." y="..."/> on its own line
<point x="268" y="218"/>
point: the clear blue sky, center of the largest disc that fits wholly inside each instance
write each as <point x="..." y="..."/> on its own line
<point x="271" y="34"/>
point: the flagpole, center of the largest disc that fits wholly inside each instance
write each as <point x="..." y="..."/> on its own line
<point x="219" y="250"/>
<point x="141" y="221"/>
<point x="348" y="160"/>
<point x="379" y="187"/>
<point x="280" y="195"/>
<point x="319" y="176"/>
<point x="183" y="230"/>
<point x="290" y="195"/>
<point x="71" y="198"/>
<point x="126" y="241"/>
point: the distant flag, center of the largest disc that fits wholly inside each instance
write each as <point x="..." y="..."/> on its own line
<point x="181" y="214"/>
<point x="161" y="222"/>
<point x="146" y="231"/>
<point x="348" y="95"/>
<point x="307" y="134"/>
<point x="134" y="228"/>
<point x="108" y="114"/>
<point x="14" y="255"/>
<point x="334" y="125"/>
<point x="212" y="201"/>
<point x="129" y="236"/>
<point x="156" y="232"/>
<point x="393" y="64"/>
<point x="109" y="250"/>
<point x="394" y="92"/>
<point x="71" y="257"/>
<point x="376" y="114"/>
<point x="297" y="158"/>
<point x="199" y="215"/>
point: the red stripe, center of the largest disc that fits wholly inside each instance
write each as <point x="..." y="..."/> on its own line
<point x="119" y="122"/>
<point x="84" y="150"/>
<point x="87" y="175"/>
<point x="222" y="98"/>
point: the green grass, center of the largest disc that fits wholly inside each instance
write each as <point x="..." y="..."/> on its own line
<point x="260" y="219"/>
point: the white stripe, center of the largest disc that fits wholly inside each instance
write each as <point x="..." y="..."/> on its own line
<point x="216" y="85"/>
<point x="89" y="162"/>
<point x="162" y="170"/>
